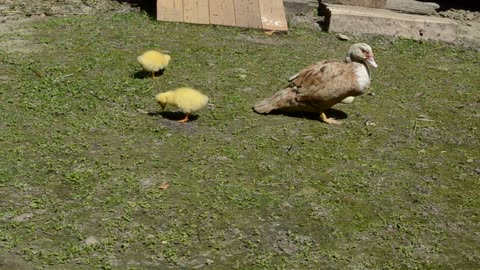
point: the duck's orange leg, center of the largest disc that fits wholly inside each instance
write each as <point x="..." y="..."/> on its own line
<point x="184" y="119"/>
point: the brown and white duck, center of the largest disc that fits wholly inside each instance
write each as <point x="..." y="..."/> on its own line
<point x="318" y="87"/>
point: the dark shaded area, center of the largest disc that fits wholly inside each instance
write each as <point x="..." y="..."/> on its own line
<point x="142" y="74"/>
<point x="148" y="6"/>
<point x="472" y="5"/>
<point x="323" y="22"/>
<point x="331" y="113"/>
<point x="174" y="116"/>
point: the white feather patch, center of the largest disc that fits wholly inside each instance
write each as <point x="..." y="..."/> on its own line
<point x="347" y="100"/>
<point x="363" y="79"/>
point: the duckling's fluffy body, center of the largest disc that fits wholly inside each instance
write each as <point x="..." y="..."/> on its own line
<point x="188" y="100"/>
<point x="153" y="61"/>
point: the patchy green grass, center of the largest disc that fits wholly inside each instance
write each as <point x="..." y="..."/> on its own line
<point x="395" y="187"/>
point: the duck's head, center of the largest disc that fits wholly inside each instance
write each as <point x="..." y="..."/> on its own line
<point x="361" y="52"/>
<point x="162" y="99"/>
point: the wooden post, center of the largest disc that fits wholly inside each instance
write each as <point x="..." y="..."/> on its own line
<point x="247" y="13"/>
<point x="263" y="14"/>
<point x="222" y="12"/>
<point x="196" y="11"/>
<point x="169" y="10"/>
<point x="273" y="15"/>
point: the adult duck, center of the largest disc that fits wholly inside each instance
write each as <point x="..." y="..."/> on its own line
<point x="318" y="87"/>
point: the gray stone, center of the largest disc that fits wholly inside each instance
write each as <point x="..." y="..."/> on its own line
<point x="343" y="37"/>
<point x="359" y="3"/>
<point x="361" y="20"/>
<point x="293" y="7"/>
<point x="412" y="6"/>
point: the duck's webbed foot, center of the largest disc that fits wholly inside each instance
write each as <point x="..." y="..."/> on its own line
<point x="329" y="121"/>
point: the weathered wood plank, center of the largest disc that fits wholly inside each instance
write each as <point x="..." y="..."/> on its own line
<point x="222" y="12"/>
<point x="196" y="11"/>
<point x="266" y="14"/>
<point x="247" y="13"/>
<point x="170" y="10"/>
<point x="272" y="15"/>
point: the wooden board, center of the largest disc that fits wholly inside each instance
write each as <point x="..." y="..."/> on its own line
<point x="196" y="11"/>
<point x="222" y="12"/>
<point x="247" y="13"/>
<point x="273" y="15"/>
<point x="264" y="14"/>
<point x="169" y="10"/>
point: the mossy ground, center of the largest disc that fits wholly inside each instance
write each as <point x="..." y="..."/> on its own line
<point x="395" y="187"/>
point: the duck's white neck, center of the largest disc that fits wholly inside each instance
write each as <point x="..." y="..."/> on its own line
<point x="362" y="75"/>
<point x="367" y="67"/>
<point x="348" y="60"/>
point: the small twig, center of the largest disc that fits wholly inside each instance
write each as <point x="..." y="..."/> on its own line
<point x="198" y="235"/>
<point x="425" y="120"/>
<point x="281" y="249"/>
<point x="66" y="75"/>
<point x="275" y="139"/>
<point x="150" y="88"/>
<point x="44" y="232"/>
<point x="39" y="75"/>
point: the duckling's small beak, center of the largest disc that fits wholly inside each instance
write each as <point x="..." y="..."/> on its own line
<point x="161" y="105"/>
<point x="372" y="62"/>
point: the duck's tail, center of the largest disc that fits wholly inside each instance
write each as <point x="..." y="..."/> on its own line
<point x="280" y="100"/>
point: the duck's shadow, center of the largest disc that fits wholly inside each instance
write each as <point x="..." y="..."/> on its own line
<point x="173" y="116"/>
<point x="142" y="74"/>
<point x="331" y="113"/>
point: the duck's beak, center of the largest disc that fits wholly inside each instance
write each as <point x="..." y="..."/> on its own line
<point x="372" y="62"/>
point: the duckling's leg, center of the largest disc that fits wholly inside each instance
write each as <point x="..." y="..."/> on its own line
<point x="184" y="119"/>
<point x="153" y="75"/>
<point x="329" y="121"/>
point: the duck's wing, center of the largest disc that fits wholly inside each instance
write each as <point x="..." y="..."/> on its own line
<point x="325" y="83"/>
<point x="303" y="71"/>
<point x="315" y="88"/>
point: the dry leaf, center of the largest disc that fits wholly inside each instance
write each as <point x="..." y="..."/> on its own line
<point x="343" y="37"/>
<point x="164" y="185"/>
<point x="141" y="111"/>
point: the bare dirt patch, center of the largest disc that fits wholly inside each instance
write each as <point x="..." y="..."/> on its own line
<point x="468" y="25"/>
<point x="14" y="14"/>
<point x="14" y="9"/>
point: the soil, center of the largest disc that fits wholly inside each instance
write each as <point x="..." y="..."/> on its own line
<point x="468" y="25"/>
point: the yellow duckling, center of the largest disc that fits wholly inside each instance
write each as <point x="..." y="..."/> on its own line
<point x="153" y="61"/>
<point x="188" y="100"/>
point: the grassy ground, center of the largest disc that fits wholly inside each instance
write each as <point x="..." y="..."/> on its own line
<point x="82" y="168"/>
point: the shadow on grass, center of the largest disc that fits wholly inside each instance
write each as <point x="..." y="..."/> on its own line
<point x="173" y="116"/>
<point x="336" y="114"/>
<point x="143" y="74"/>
